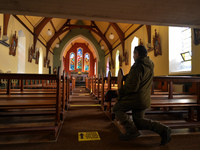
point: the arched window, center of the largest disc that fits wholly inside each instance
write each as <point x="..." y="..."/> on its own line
<point x="79" y="58"/>
<point x="134" y="43"/>
<point x="180" y="49"/>
<point x="71" y="61"/>
<point x="117" y="63"/>
<point x="107" y="67"/>
<point x="41" y="61"/>
<point x="21" y="52"/>
<point x="87" y="62"/>
<point x="95" y="68"/>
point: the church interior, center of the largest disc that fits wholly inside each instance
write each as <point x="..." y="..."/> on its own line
<point x="59" y="58"/>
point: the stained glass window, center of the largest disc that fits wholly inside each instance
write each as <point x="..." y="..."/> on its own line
<point x="79" y="58"/>
<point x="95" y="68"/>
<point x="87" y="62"/>
<point x="72" y="61"/>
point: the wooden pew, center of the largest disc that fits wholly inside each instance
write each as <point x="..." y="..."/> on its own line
<point x="103" y="79"/>
<point x="111" y="82"/>
<point x="99" y="90"/>
<point x="67" y="89"/>
<point x="96" y="88"/>
<point x="24" y="102"/>
<point x="170" y="101"/>
<point x="87" y="83"/>
<point x="42" y="93"/>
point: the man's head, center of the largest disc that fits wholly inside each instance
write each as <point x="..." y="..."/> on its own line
<point x="139" y="51"/>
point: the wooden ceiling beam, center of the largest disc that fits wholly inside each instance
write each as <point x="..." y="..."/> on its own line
<point x="56" y="35"/>
<point x="128" y="36"/>
<point x="105" y="32"/>
<point x="120" y="34"/>
<point x="79" y="26"/>
<point x="54" y="29"/>
<point x="38" y="29"/>
<point x="73" y="27"/>
<point x="6" y="18"/>
<point x="149" y="33"/>
<point x="105" y="40"/>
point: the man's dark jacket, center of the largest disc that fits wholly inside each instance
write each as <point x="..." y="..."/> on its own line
<point x="137" y="87"/>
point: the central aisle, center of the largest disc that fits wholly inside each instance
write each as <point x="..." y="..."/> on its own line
<point x="85" y="115"/>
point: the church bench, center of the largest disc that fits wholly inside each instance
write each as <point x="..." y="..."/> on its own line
<point x="181" y="102"/>
<point x="180" y="96"/>
<point x="36" y="101"/>
<point x="52" y="130"/>
<point x="94" y="86"/>
<point x="159" y="92"/>
<point x="177" y="79"/>
<point x="28" y="91"/>
<point x="98" y="88"/>
<point x="39" y="93"/>
<point x="27" y="96"/>
<point x="111" y="82"/>
<point x="105" y="84"/>
<point x="87" y="82"/>
<point x="173" y="101"/>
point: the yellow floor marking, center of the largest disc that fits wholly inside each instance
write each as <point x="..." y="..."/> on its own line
<point x="87" y="105"/>
<point x="83" y="94"/>
<point x="88" y="136"/>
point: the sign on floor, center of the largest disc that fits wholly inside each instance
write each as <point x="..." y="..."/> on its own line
<point x="88" y="136"/>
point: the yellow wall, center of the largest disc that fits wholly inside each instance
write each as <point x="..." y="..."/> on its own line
<point x="9" y="62"/>
<point x="161" y="61"/>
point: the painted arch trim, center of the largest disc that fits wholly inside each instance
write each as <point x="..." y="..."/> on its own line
<point x="74" y="38"/>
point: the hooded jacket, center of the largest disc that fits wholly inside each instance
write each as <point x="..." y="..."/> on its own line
<point x="137" y="87"/>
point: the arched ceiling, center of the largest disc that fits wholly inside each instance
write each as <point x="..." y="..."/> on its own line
<point x="100" y="17"/>
<point x="100" y="30"/>
<point x="79" y="40"/>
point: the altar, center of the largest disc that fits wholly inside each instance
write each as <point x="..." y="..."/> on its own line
<point x="80" y="77"/>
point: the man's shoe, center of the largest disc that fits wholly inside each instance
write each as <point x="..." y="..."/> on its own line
<point x="128" y="136"/>
<point x="166" y="136"/>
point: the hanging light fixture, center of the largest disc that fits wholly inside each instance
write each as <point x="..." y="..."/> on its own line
<point x="57" y="45"/>
<point x="49" y="32"/>
<point x="111" y="36"/>
<point x="102" y="47"/>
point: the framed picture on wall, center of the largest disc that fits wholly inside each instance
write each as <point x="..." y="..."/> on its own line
<point x="30" y="54"/>
<point x="157" y="44"/>
<point x="196" y="36"/>
<point x="13" y="46"/>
